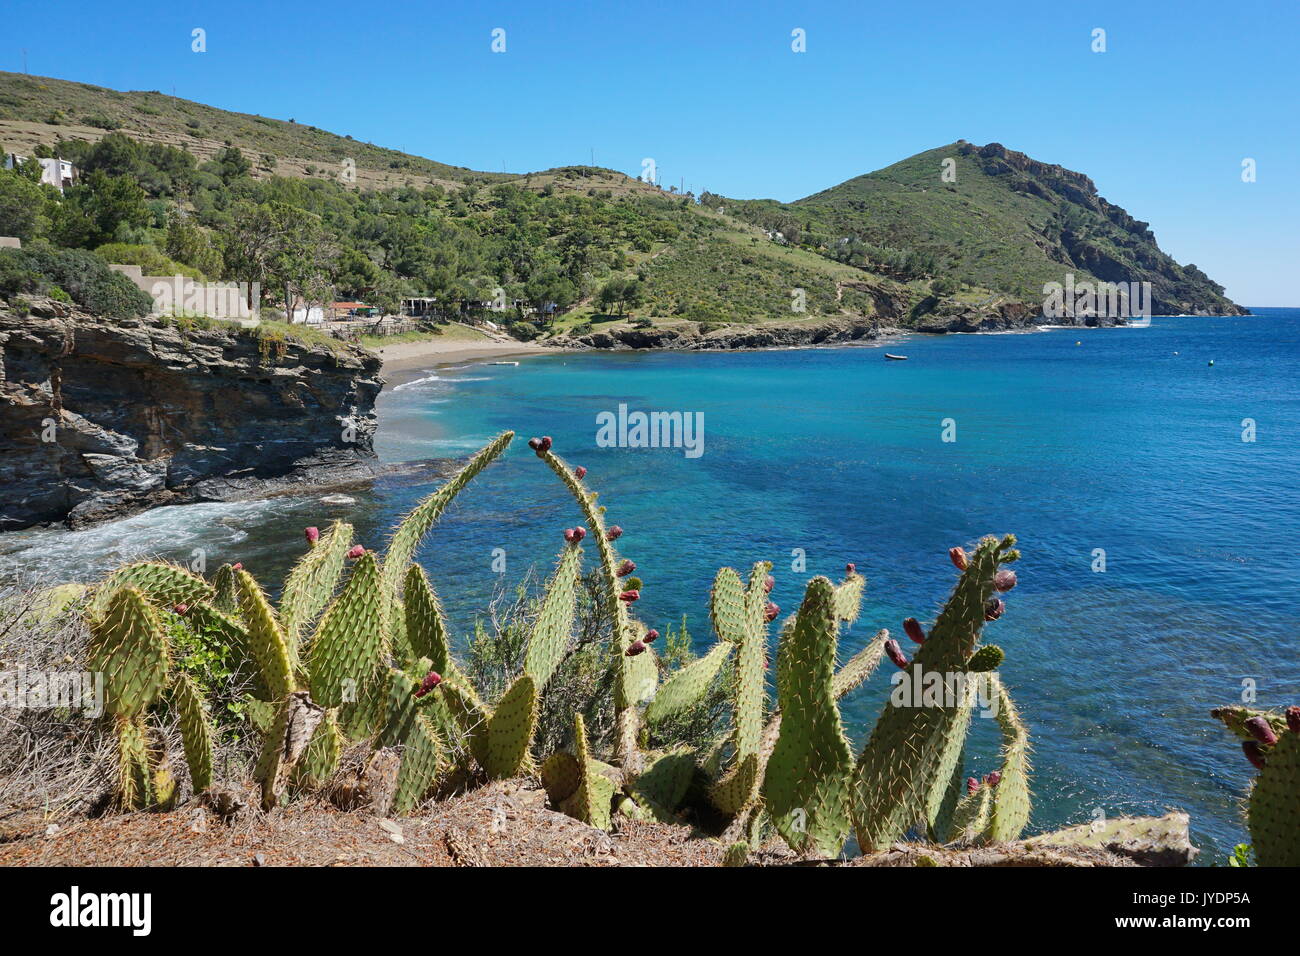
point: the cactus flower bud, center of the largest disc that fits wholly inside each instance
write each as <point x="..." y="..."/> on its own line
<point x="356" y="551"/>
<point x="237" y="566"/>
<point x="895" y="653"/>
<point x="1293" y="719"/>
<point x="181" y="608"/>
<point x="1004" y="580"/>
<point x="958" y="557"/>
<point x="769" y="582"/>
<point x="650" y="635"/>
<point x="972" y="784"/>
<point x="771" y="611"/>
<point x="431" y="680"/>
<point x="626" y="568"/>
<point x="580" y="472"/>
<point x="630" y="596"/>
<point x="613" y="533"/>
<point x="635" y="648"/>
<point x="850" y="568"/>
<point x="994" y="778"/>
<point x="1253" y="753"/>
<point x="1261" y="730"/>
<point x="993" y="610"/>
<point x="312" y="533"/>
<point x="912" y="628"/>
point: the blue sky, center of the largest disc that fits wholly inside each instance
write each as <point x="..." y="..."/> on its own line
<point x="1161" y="121"/>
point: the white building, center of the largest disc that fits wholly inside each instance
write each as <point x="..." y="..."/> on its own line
<point x="59" y="173"/>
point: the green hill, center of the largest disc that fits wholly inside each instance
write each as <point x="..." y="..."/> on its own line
<point x="1006" y="222"/>
<point x="174" y="184"/>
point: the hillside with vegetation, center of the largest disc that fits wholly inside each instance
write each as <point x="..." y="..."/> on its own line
<point x="1004" y="221"/>
<point x="578" y="254"/>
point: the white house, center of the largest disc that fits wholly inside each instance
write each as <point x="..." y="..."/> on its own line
<point x="59" y="173"/>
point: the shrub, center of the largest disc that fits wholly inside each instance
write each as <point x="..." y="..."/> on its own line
<point x="81" y="275"/>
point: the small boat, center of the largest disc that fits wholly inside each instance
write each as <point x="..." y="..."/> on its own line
<point x="503" y="363"/>
<point x="896" y="358"/>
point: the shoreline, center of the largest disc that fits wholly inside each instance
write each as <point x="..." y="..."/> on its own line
<point x="408" y="357"/>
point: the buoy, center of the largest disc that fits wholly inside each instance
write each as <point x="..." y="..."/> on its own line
<point x="1078" y="343"/>
<point x="1211" y="361"/>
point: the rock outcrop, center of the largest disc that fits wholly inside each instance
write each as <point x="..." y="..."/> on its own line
<point x="102" y="418"/>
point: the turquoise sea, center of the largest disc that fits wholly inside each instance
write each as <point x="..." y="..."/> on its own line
<point x="1125" y="440"/>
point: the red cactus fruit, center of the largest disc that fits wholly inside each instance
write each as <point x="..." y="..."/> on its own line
<point x="651" y="635"/>
<point x="579" y="533"/>
<point x="1293" y="719"/>
<point x="568" y="535"/>
<point x="769" y="582"/>
<point x="431" y="680"/>
<point x="635" y="648"/>
<point x="912" y="628"/>
<point x="972" y="784"/>
<point x="958" y="557"/>
<point x="1261" y="730"/>
<point x="181" y="608"/>
<point x="626" y="568"/>
<point x="1004" y="580"/>
<point x="771" y="611"/>
<point x="850" y="568"/>
<point x="630" y="596"/>
<point x="994" y="778"/>
<point x="580" y="472"/>
<point x="546" y="443"/>
<point x="356" y="551"/>
<point x="613" y="533"/>
<point x="993" y="610"/>
<point x="312" y="533"/>
<point x="237" y="566"/>
<point x="535" y="444"/>
<point x="895" y="653"/>
<point x="1253" y="753"/>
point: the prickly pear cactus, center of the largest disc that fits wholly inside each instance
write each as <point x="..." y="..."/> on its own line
<point x="1011" y="797"/>
<point x="689" y="685"/>
<point x="196" y="730"/>
<point x="129" y="647"/>
<point x="510" y="729"/>
<point x="910" y="768"/>
<point x="554" y="627"/>
<point x="275" y="658"/>
<point x="135" y="781"/>
<point x="311" y="583"/>
<point x="351" y="642"/>
<point x="1272" y="742"/>
<point x="807" y="780"/>
<point x="419" y="768"/>
<point x="162" y="585"/>
<point x="625" y="630"/>
<point x="591" y="799"/>
<point x="413" y="527"/>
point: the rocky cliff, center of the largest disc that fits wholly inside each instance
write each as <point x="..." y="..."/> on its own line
<point x="101" y="418"/>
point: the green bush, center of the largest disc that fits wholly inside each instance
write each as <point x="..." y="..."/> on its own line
<point x="81" y="275"/>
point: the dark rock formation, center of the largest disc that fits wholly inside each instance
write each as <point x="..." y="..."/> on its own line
<point x="102" y="418"/>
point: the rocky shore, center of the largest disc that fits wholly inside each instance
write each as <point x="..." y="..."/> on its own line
<point x="102" y="418"/>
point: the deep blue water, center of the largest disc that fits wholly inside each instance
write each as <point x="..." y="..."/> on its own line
<point x="1126" y="440"/>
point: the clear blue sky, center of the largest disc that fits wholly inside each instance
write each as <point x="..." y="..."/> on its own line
<point x="712" y="91"/>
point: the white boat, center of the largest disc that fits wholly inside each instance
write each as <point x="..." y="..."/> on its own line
<point x="503" y="363"/>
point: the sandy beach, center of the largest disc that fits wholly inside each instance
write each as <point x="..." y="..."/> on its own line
<point x="410" y="356"/>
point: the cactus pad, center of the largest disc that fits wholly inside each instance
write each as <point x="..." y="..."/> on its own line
<point x="129" y="648"/>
